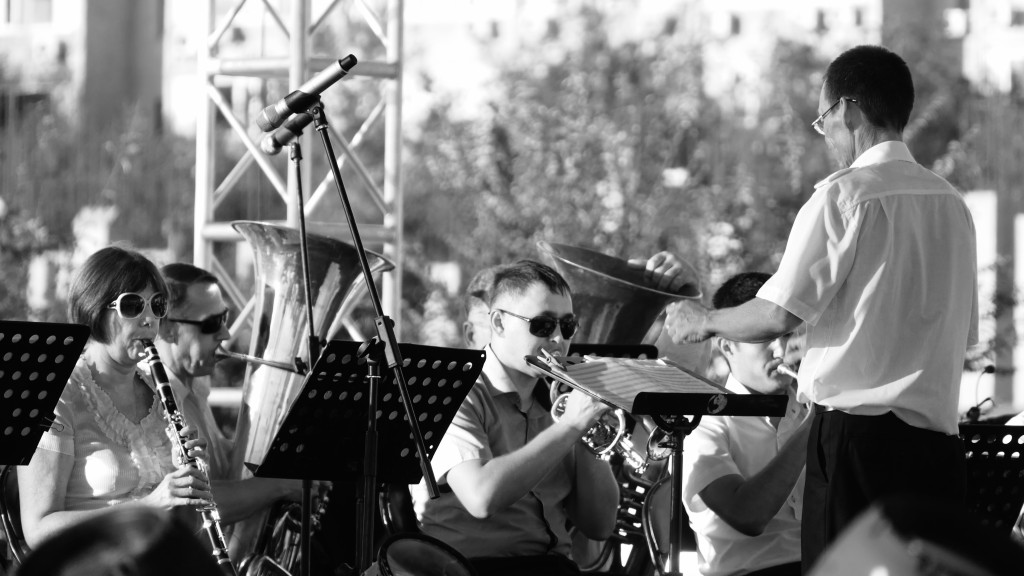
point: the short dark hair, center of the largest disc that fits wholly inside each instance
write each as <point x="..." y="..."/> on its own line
<point x="516" y="279"/>
<point x="179" y="277"/>
<point x="480" y="288"/>
<point x="878" y="79"/>
<point x="104" y="276"/>
<point x="739" y="289"/>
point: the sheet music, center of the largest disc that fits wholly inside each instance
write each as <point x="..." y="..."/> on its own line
<point x="619" y="380"/>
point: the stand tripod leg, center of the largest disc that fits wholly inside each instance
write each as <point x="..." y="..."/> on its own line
<point x="368" y="495"/>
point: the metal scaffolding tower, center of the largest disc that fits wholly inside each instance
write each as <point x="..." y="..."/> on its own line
<point x="298" y="66"/>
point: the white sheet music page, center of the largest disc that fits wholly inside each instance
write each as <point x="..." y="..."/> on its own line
<point x="619" y="380"/>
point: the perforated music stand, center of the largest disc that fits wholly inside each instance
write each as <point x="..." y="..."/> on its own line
<point x="36" y="360"/>
<point x="322" y="435"/>
<point x="995" y="473"/>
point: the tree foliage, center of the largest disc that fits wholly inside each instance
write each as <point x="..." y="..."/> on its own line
<point x="616" y="147"/>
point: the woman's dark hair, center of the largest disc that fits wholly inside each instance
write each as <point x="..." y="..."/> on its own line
<point x="104" y="276"/>
<point x="878" y="79"/>
<point x="124" y="540"/>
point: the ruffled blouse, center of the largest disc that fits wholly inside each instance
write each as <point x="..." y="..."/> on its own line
<point x="116" y="460"/>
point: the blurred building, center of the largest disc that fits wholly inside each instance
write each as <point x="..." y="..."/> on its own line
<point x="739" y="36"/>
<point x="92" y="60"/>
<point x="993" y="54"/>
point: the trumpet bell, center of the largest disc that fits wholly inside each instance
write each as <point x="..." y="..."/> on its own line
<point x="616" y="305"/>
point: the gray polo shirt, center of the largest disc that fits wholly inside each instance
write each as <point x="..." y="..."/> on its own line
<point x="490" y="424"/>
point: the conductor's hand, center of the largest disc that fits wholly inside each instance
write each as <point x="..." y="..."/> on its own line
<point x="184" y="487"/>
<point x="582" y="411"/>
<point x="666" y="272"/>
<point x="686" y="322"/>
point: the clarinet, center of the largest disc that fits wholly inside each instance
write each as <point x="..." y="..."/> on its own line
<point x="211" y="517"/>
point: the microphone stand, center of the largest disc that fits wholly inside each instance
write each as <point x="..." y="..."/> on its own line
<point x="305" y="534"/>
<point x="383" y="347"/>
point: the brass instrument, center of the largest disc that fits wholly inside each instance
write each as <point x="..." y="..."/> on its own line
<point x="279" y="336"/>
<point x="298" y="367"/>
<point x="606" y="437"/>
<point x="211" y="517"/>
<point x="786" y="370"/>
<point x="612" y="299"/>
<point x="615" y="307"/>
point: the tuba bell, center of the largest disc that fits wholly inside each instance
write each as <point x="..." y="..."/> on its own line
<point x="267" y="543"/>
<point x="614" y="302"/>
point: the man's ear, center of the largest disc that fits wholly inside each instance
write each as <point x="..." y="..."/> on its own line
<point x="467" y="333"/>
<point x="497" y="322"/>
<point x="725" y="347"/>
<point x="853" y="116"/>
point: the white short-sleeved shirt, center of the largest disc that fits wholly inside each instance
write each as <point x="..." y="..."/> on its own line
<point x="725" y="445"/>
<point x="115" y="459"/>
<point x="881" y="264"/>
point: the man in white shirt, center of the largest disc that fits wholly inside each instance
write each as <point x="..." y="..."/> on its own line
<point x="743" y="475"/>
<point x="881" y="265"/>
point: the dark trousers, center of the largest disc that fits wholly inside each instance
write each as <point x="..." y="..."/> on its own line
<point x="547" y="565"/>
<point x="852" y="461"/>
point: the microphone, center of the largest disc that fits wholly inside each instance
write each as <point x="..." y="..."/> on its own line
<point x="305" y="96"/>
<point x="974" y="413"/>
<point x="290" y="130"/>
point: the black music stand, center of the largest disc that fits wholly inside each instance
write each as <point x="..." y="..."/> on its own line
<point x="322" y="437"/>
<point x="36" y="360"/>
<point x="995" y="473"/>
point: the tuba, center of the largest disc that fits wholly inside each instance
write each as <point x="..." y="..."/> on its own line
<point x="267" y="543"/>
<point x="612" y="299"/>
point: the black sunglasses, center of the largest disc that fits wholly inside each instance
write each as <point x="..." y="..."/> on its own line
<point x="131" y="305"/>
<point x="208" y="325"/>
<point x="544" y="326"/>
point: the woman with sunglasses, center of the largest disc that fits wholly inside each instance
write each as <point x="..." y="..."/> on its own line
<point x="108" y="444"/>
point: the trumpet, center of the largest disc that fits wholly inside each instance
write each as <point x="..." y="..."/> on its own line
<point x="299" y="367"/>
<point x="606" y="437"/>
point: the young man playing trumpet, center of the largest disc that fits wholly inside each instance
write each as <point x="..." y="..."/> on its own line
<point x="743" y="476"/>
<point x="510" y="476"/>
